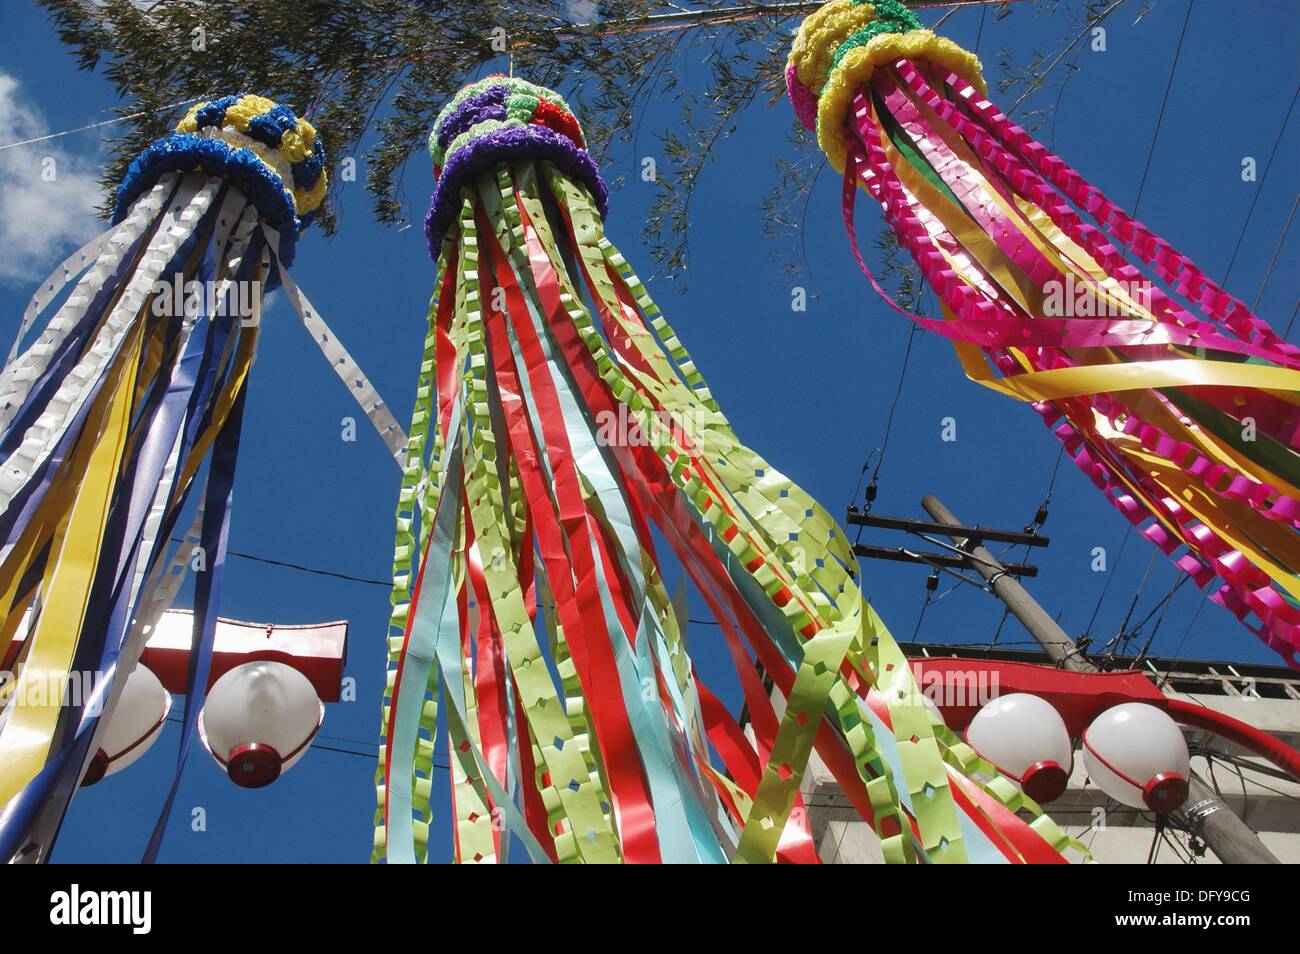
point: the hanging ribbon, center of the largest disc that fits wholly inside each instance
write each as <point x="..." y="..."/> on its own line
<point x="1190" y="424"/>
<point x="559" y="425"/>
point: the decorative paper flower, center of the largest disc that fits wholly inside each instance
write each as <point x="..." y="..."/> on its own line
<point x="495" y="120"/>
<point x="839" y="46"/>
<point x="259" y="145"/>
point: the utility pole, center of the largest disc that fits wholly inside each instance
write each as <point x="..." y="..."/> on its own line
<point x="1230" y="838"/>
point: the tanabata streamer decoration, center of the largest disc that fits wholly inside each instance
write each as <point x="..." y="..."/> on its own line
<point x="1175" y="400"/>
<point x="138" y="379"/>
<point x="558" y="420"/>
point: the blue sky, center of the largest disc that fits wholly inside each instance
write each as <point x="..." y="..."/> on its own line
<point x="304" y="495"/>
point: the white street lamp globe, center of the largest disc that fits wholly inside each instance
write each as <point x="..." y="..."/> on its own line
<point x="1137" y="755"/>
<point x="258" y="721"/>
<point x="133" y="726"/>
<point x="1025" y="737"/>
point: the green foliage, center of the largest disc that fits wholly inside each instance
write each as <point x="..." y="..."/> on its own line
<point x="744" y="59"/>
<point x="373" y="74"/>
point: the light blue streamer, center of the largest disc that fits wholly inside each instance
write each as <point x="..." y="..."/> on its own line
<point x="681" y="823"/>
<point x="435" y="607"/>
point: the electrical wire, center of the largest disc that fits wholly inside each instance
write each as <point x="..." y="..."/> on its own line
<point x="1051" y="483"/>
<point x="1164" y="102"/>
<point x="839" y="842"/>
<point x="921" y="616"/>
<point x="1178" y="652"/>
<point x="1088" y="28"/>
<point x="1109" y="576"/>
<point x="1265" y="770"/>
<point x="1159" y="619"/>
<point x="105" y="122"/>
<point x="1164" y="601"/>
<point x="1268" y="164"/>
<point x="1156" y="841"/>
<point x="1124" y="634"/>
<point x="310" y="569"/>
<point x="1006" y="611"/>
<point x="1187" y="858"/>
<point x="889" y="420"/>
<point x="330" y="748"/>
<point x="1273" y="261"/>
<point x="1142" y="586"/>
<point x="302" y="567"/>
<point x="1294" y="312"/>
<point x="1040" y="515"/>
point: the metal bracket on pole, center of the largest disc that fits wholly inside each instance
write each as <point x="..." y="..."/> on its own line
<point x="975" y="535"/>
<point x="969" y="555"/>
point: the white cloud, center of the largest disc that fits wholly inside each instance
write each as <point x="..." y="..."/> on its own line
<point x="48" y="195"/>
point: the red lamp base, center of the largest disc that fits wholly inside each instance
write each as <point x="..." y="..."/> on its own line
<point x="1165" y="792"/>
<point x="1044" y="781"/>
<point x="97" y="768"/>
<point x="254" y="765"/>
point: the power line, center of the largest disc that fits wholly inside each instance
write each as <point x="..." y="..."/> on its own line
<point x="889" y="422"/>
<point x="1123" y="632"/>
<point x="1276" y="251"/>
<point x="1051" y="482"/>
<point x="1165" y="604"/>
<point x="330" y="748"/>
<point x="1040" y="517"/>
<point x="320" y="571"/>
<point x="105" y="122"/>
<point x="1038" y="80"/>
<point x="1260" y="188"/>
<point x="1164" y="601"/>
<point x="301" y="567"/>
<point x="1294" y="311"/>
<point x="1178" y="652"/>
<point x="898" y="392"/>
<point x="1109" y="576"/>
<point x="1006" y="611"/>
<point x="942" y="20"/>
<point x="1164" y="828"/>
<point x="1163" y="103"/>
<point x="310" y="569"/>
<point x="339" y="738"/>
<point x="1156" y="841"/>
<point x="1240" y="764"/>
<point x="921" y="616"/>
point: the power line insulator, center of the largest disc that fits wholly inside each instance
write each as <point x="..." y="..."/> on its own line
<point x="1040" y="518"/>
<point x="932" y="582"/>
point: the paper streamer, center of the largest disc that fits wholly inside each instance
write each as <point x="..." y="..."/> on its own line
<point x="1181" y="405"/>
<point x="559" y="426"/>
<point x="122" y="415"/>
